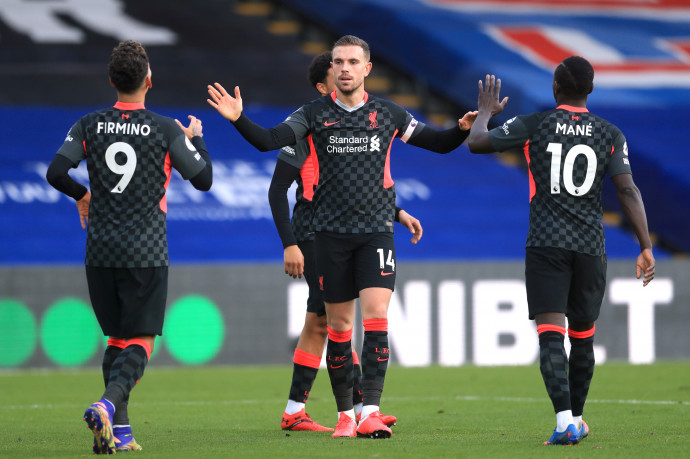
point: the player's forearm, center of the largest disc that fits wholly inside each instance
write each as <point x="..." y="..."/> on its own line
<point x="439" y="141"/>
<point x="204" y="179"/>
<point x="280" y="210"/>
<point x="264" y="139"/>
<point x="283" y="176"/>
<point x="58" y="176"/>
<point x="478" y="139"/>
<point x="632" y="206"/>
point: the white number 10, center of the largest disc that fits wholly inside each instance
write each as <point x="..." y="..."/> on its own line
<point x="556" y="150"/>
<point x="126" y="170"/>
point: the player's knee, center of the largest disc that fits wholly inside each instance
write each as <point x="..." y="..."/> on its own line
<point x="375" y="311"/>
<point x="316" y="329"/>
<point x="340" y="324"/>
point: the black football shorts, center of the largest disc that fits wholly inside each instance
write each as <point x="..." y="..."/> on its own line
<point x="349" y="263"/>
<point x="128" y="302"/>
<point x="560" y="280"/>
<point x="315" y="301"/>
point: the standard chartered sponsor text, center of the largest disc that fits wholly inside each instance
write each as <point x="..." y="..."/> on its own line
<point x="345" y="144"/>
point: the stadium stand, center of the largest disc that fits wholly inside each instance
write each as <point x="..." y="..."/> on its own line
<point x="472" y="207"/>
<point x="63" y="49"/>
<point x="640" y="52"/>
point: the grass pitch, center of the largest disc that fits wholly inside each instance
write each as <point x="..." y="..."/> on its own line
<point x="466" y="412"/>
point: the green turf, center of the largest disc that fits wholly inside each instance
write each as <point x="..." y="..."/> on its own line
<point x="484" y="412"/>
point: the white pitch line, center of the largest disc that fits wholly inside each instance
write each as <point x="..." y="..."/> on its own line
<point x="467" y="398"/>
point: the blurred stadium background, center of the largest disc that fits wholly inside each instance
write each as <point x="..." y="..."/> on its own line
<point x="460" y="293"/>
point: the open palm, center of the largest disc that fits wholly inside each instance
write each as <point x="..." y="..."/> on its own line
<point x="228" y="106"/>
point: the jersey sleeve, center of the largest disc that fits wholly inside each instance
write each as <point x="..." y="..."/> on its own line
<point x="620" y="163"/>
<point x="295" y="155"/>
<point x="183" y="154"/>
<point x="409" y="127"/>
<point x="283" y="176"/>
<point x="514" y="133"/>
<point x="73" y="147"/>
<point x="299" y="122"/>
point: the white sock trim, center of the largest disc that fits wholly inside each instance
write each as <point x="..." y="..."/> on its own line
<point x="577" y="420"/>
<point x="367" y="410"/>
<point x="350" y="413"/>
<point x="294" y="407"/>
<point x="563" y="420"/>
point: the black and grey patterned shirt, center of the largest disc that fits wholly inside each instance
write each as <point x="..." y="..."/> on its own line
<point x="129" y="153"/>
<point x="568" y="150"/>
<point x="355" y="192"/>
<point x="303" y="158"/>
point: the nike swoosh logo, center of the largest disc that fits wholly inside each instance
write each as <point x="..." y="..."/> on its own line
<point x="326" y="123"/>
<point x="385" y="274"/>
<point x="381" y="360"/>
<point x="337" y="366"/>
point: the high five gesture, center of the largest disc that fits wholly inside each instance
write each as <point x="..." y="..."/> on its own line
<point x="228" y="106"/>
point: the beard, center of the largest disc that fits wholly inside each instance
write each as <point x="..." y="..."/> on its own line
<point x="347" y="92"/>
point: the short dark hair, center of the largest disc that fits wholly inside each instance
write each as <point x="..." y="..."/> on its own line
<point x="318" y="69"/>
<point x="128" y="66"/>
<point x="351" y="40"/>
<point x="575" y="76"/>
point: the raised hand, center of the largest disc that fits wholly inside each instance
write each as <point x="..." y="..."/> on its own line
<point x="228" y="106"/>
<point x="465" y="123"/>
<point x="489" y="98"/>
<point x="194" y="129"/>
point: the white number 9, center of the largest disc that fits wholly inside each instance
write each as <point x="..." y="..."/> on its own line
<point x="126" y="170"/>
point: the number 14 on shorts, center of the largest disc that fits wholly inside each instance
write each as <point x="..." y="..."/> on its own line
<point x="389" y="260"/>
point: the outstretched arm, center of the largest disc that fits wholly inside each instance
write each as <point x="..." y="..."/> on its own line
<point x="488" y="105"/>
<point x="444" y="141"/>
<point x="630" y="199"/>
<point x="261" y="138"/>
<point x="228" y="106"/>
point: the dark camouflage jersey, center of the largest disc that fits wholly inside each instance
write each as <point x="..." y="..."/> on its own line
<point x="355" y="192"/>
<point x="303" y="158"/>
<point x="129" y="153"/>
<point x="569" y="151"/>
